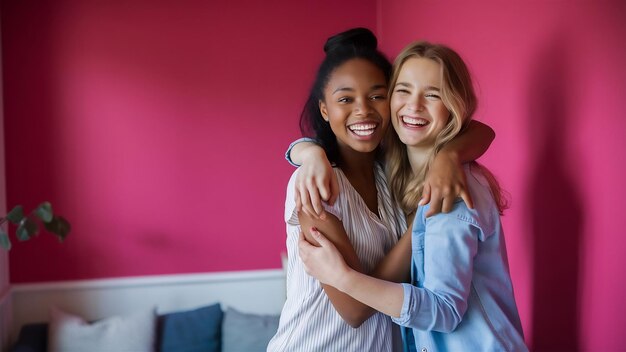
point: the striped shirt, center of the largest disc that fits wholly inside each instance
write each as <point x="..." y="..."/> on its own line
<point x="308" y="321"/>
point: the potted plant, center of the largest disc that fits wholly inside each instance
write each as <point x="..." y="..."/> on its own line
<point x="28" y="224"/>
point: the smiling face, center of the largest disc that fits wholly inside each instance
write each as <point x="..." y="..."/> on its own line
<point x="356" y="106"/>
<point x="418" y="113"/>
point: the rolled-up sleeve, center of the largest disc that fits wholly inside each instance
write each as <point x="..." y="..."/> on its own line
<point x="450" y="244"/>
<point x="299" y="140"/>
<point x="407" y="305"/>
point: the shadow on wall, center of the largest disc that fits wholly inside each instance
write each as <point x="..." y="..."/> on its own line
<point x="555" y="207"/>
<point x="38" y="119"/>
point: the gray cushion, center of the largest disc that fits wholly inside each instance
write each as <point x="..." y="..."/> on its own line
<point x="243" y="332"/>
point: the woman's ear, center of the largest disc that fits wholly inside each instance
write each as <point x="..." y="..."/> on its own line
<point x="323" y="110"/>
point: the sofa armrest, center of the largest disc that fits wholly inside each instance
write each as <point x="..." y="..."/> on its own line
<point x="32" y="338"/>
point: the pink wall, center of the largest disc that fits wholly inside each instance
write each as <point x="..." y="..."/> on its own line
<point x="128" y="118"/>
<point x="158" y="128"/>
<point x="552" y="77"/>
<point x="5" y="284"/>
<point x="4" y="259"/>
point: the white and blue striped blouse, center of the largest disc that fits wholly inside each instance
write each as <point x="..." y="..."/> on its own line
<point x="308" y="321"/>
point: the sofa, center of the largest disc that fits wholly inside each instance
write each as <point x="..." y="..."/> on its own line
<point x="208" y="329"/>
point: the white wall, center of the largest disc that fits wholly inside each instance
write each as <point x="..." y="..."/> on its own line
<point x="257" y="291"/>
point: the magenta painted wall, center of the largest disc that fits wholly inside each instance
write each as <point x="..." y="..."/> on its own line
<point x="128" y="118"/>
<point x="552" y="83"/>
<point x="4" y="259"/>
<point x="158" y="128"/>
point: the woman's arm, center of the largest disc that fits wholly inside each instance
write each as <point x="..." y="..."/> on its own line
<point x="446" y="180"/>
<point x="450" y="247"/>
<point x="396" y="265"/>
<point x="439" y="305"/>
<point x="327" y="265"/>
<point x="316" y="181"/>
<point x="443" y="184"/>
<point x="351" y="310"/>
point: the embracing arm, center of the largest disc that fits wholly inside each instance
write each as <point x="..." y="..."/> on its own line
<point x="316" y="181"/>
<point x="446" y="177"/>
<point x="448" y="268"/>
<point x="396" y="265"/>
<point x="393" y="268"/>
<point x="327" y="265"/>
<point x="438" y="306"/>
<point x="443" y="184"/>
<point x="351" y="310"/>
<point x="472" y="143"/>
<point x="381" y="290"/>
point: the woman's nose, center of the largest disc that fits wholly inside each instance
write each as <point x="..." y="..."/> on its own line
<point x="415" y="105"/>
<point x="363" y="107"/>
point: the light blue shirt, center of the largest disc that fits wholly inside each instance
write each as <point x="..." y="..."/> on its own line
<point x="461" y="298"/>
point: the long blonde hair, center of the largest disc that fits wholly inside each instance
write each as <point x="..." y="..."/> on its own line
<point x="457" y="94"/>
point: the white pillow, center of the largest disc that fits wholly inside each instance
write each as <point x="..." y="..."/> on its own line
<point x="132" y="333"/>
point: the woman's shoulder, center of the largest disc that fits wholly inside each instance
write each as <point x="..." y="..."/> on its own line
<point x="479" y="188"/>
<point x="485" y="213"/>
<point x="336" y="208"/>
<point x="482" y="215"/>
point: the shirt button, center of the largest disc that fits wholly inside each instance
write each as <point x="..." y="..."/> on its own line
<point x="424" y="349"/>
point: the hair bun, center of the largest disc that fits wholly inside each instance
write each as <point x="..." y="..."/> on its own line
<point x="350" y="39"/>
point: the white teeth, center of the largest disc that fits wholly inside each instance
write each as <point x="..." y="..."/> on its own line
<point x="363" y="129"/>
<point x="362" y="126"/>
<point x="413" y="121"/>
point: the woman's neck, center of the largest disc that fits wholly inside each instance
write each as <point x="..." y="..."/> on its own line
<point x="359" y="169"/>
<point x="353" y="162"/>
<point x="418" y="158"/>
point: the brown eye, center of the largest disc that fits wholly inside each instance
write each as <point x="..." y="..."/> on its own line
<point x="344" y="100"/>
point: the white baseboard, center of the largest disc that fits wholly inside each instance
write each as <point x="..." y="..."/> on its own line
<point x="258" y="291"/>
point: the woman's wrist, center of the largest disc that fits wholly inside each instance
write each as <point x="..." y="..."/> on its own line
<point x="450" y="154"/>
<point x="292" y="153"/>
<point x="311" y="151"/>
<point x="345" y="279"/>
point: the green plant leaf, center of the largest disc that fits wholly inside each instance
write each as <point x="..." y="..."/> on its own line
<point x="5" y="242"/>
<point x="27" y="229"/>
<point x="44" y="212"/>
<point x="21" y="233"/>
<point x="16" y="214"/>
<point x="59" y="226"/>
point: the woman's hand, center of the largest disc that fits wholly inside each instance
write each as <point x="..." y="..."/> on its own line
<point x="445" y="182"/>
<point x="324" y="263"/>
<point x="316" y="182"/>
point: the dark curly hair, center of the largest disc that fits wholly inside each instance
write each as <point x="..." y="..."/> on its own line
<point x="354" y="43"/>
